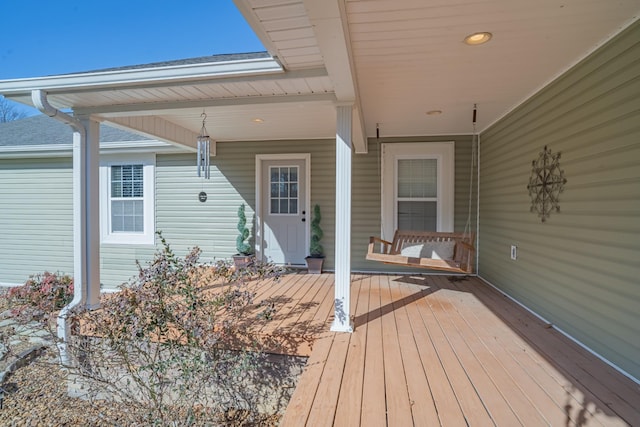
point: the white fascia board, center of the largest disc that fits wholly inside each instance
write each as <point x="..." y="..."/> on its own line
<point x="65" y="150"/>
<point x="105" y="79"/>
<point x="35" y="151"/>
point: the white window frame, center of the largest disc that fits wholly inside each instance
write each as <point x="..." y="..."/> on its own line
<point x="298" y="198"/>
<point x="444" y="153"/>
<point x="148" y="162"/>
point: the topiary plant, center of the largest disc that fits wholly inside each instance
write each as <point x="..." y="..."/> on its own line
<point x="242" y="246"/>
<point x="315" y="248"/>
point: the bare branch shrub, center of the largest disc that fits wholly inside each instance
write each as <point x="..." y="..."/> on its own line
<point x="180" y="343"/>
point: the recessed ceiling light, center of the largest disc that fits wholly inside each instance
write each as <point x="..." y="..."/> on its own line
<point x="257" y="120"/>
<point x="478" y="38"/>
<point x="434" y="112"/>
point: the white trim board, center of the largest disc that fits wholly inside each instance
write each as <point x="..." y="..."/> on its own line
<point x="444" y="152"/>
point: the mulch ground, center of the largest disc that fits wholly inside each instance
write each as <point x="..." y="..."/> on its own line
<point x="36" y="395"/>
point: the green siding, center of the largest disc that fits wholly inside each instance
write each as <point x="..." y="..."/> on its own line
<point x="579" y="269"/>
<point x="36" y="221"/>
<point x="35" y="218"/>
<point x="186" y="222"/>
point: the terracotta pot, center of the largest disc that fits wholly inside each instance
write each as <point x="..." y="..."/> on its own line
<point x="314" y="264"/>
<point x="241" y="261"/>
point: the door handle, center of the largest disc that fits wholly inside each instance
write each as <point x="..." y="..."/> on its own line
<point x="303" y="219"/>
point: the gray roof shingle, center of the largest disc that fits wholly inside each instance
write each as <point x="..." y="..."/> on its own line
<point x="43" y="130"/>
<point x="189" y="61"/>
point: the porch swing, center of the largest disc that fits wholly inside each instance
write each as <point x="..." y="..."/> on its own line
<point x="442" y="251"/>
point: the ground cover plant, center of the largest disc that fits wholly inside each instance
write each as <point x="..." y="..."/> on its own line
<point x="176" y="346"/>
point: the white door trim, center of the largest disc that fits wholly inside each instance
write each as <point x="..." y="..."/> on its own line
<point x="306" y="157"/>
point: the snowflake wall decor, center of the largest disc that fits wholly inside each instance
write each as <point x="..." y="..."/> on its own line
<point x="546" y="183"/>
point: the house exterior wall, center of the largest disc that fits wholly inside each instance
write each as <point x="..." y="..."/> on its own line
<point x="37" y="206"/>
<point x="580" y="268"/>
<point x="31" y="189"/>
<point x="185" y="221"/>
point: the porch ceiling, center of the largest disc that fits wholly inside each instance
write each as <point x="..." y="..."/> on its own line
<point x="408" y="56"/>
<point x="393" y="59"/>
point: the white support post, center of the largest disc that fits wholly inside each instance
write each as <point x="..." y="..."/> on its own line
<point x="86" y="215"/>
<point x="86" y="226"/>
<point x="86" y="179"/>
<point x="342" y="320"/>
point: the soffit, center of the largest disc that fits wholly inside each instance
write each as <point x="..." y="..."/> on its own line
<point x="409" y="56"/>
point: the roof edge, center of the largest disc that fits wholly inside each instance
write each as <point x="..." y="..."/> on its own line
<point x="134" y="75"/>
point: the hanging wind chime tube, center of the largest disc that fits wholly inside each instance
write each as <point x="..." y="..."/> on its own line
<point x="204" y="150"/>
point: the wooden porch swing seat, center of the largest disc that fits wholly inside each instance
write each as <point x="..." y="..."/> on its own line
<point x="452" y="252"/>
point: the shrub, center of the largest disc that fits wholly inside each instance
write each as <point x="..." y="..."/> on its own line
<point x="41" y="295"/>
<point x="315" y="248"/>
<point x="242" y="246"/>
<point x="176" y="341"/>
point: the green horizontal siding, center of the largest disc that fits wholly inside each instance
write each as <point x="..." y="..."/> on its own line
<point x="579" y="269"/>
<point x="118" y="263"/>
<point x="187" y="222"/>
<point x="35" y="218"/>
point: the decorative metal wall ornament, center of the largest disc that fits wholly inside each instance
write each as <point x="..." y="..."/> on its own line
<point x="204" y="150"/>
<point x="546" y="183"/>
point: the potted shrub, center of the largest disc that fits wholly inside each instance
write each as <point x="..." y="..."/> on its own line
<point x="245" y="252"/>
<point x="316" y="252"/>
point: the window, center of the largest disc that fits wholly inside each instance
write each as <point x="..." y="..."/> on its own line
<point x="127" y="199"/>
<point x="283" y="182"/>
<point x="417" y="187"/>
<point x="127" y="202"/>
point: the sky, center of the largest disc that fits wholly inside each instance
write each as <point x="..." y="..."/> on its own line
<point x="47" y="37"/>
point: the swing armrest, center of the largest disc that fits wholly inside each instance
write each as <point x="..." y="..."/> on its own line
<point x="467" y="246"/>
<point x="385" y="245"/>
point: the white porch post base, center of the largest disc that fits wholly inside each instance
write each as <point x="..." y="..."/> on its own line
<point x="337" y="326"/>
<point x="342" y="319"/>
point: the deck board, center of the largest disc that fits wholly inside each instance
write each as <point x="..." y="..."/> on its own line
<point x="442" y="394"/>
<point x="397" y="397"/>
<point x="575" y="370"/>
<point x="423" y="410"/>
<point x="494" y="384"/>
<point x="373" y="412"/>
<point x="429" y="351"/>
<point x="473" y="407"/>
<point x="350" y="399"/>
<point x="531" y="381"/>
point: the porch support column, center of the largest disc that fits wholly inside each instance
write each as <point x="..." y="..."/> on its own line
<point x="86" y="214"/>
<point x="86" y="211"/>
<point x="342" y="320"/>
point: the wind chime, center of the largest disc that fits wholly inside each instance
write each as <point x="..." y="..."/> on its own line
<point x="204" y="150"/>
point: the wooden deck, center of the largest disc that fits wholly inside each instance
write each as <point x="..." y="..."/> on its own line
<point x="427" y="351"/>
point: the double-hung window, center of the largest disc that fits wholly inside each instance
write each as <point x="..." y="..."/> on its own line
<point x="127" y="202"/>
<point x="417" y="187"/>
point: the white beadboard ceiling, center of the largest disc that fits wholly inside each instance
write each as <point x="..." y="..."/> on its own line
<point x="409" y="57"/>
<point x="394" y="59"/>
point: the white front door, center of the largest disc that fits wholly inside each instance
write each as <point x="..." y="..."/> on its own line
<point x="284" y="211"/>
